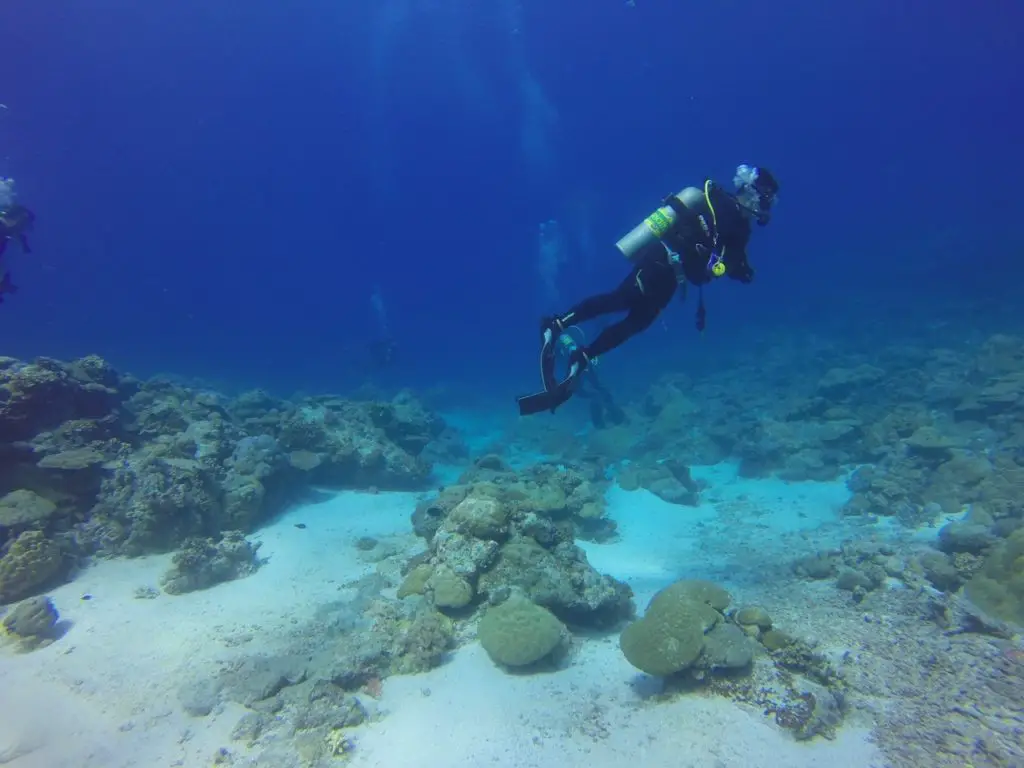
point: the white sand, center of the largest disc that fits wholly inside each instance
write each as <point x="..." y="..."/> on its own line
<point x="661" y="542"/>
<point x="590" y="714"/>
<point x="594" y="712"/>
<point x="105" y="695"/>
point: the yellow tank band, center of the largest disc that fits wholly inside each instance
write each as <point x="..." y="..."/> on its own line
<point x="658" y="223"/>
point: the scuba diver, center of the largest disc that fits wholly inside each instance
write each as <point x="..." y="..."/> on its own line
<point x="15" y="218"/>
<point x="604" y="411"/>
<point x="6" y="286"/>
<point x="695" y="237"/>
<point x="15" y="221"/>
<point x="381" y="353"/>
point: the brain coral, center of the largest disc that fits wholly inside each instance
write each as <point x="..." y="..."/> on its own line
<point x="670" y="636"/>
<point x="998" y="588"/>
<point x="517" y="633"/>
<point x="30" y="563"/>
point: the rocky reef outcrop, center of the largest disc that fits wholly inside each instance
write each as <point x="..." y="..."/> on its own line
<point x="689" y="636"/>
<point x="93" y="462"/>
<point x="498" y="533"/>
<point x="32" y="623"/>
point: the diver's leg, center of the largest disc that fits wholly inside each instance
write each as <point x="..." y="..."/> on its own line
<point x="637" y="320"/>
<point x="657" y="285"/>
<point x="628" y="293"/>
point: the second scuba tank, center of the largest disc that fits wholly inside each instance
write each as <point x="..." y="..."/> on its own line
<point x="650" y="230"/>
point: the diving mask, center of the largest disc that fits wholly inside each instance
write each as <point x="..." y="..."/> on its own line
<point x="757" y="191"/>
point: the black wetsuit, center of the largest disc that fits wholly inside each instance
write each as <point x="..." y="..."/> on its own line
<point x="649" y="287"/>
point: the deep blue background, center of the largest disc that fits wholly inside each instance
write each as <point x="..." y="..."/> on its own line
<point x="220" y="186"/>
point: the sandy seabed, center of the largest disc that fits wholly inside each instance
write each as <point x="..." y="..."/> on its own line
<point x="105" y="694"/>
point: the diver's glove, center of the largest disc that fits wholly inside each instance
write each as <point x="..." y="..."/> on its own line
<point x="579" y="358"/>
<point x="553" y="324"/>
<point x="742" y="272"/>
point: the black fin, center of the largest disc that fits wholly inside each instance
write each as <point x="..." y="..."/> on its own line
<point x="547" y="365"/>
<point x="549" y="400"/>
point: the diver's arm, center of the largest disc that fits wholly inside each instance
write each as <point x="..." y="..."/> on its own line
<point x="736" y="265"/>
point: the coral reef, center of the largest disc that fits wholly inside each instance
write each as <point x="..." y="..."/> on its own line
<point x="302" y="703"/>
<point x="571" y="494"/>
<point x="505" y="533"/>
<point x="680" y="622"/>
<point x="909" y="605"/>
<point x="202" y="563"/>
<point x="93" y="462"/>
<point x="30" y="563"/>
<point x="669" y="480"/>
<point x="687" y="636"/>
<point x="32" y="623"/>
<point x="998" y="586"/>
<point x="930" y="430"/>
<point x="518" y="633"/>
<point x="858" y="567"/>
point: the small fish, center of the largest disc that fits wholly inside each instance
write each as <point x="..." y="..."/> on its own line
<point x="300" y="526"/>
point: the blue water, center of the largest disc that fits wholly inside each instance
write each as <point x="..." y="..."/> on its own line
<point x="223" y="187"/>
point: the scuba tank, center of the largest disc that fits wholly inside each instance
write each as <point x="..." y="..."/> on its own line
<point x="650" y="230"/>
